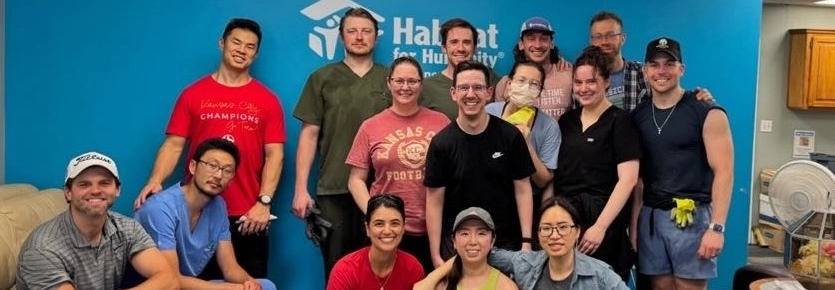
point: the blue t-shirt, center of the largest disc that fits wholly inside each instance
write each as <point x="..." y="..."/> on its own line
<point x="617" y="90"/>
<point x="165" y="217"/>
<point x="545" y="132"/>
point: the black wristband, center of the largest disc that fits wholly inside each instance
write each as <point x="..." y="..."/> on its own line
<point x="527" y="240"/>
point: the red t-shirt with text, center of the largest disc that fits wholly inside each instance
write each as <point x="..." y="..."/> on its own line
<point x="395" y="147"/>
<point x="249" y="115"/>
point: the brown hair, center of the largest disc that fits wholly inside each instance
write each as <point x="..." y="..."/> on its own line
<point x="357" y="12"/>
<point x="457" y="23"/>
<point x="606" y="15"/>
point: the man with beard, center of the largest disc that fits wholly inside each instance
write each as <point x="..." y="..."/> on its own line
<point x="536" y="44"/>
<point x="88" y="246"/>
<point x="189" y="224"/>
<point x="459" y="39"/>
<point x="479" y="160"/>
<point x="232" y="104"/>
<point x="336" y="99"/>
<point x="627" y="85"/>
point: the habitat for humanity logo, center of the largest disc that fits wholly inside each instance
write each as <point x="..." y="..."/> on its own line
<point x="419" y="37"/>
<point x="324" y="39"/>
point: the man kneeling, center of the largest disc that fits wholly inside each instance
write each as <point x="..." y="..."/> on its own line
<point x="189" y="224"/>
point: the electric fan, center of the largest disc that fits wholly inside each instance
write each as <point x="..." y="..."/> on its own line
<point x="802" y="197"/>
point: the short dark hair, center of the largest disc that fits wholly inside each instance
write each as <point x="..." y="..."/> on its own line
<point x="457" y="23"/>
<point x="595" y="57"/>
<point x="519" y="55"/>
<point x="384" y="200"/>
<point x="406" y="60"/>
<point x="538" y="67"/>
<point x="217" y="144"/>
<point x="245" y="24"/>
<point x="606" y="15"/>
<point x="357" y="12"/>
<point x="470" y="65"/>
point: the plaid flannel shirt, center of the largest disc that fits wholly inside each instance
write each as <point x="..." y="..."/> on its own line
<point x="635" y="86"/>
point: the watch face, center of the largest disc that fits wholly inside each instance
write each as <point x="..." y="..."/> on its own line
<point x="265" y="199"/>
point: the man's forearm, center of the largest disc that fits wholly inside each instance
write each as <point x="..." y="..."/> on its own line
<point x="304" y="155"/>
<point x="721" y="197"/>
<point x="160" y="281"/>
<point x="434" y="205"/>
<point x="191" y="283"/>
<point x="524" y="205"/>
<point x="271" y="172"/>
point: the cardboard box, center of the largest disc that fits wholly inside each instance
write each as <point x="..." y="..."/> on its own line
<point x="765" y="179"/>
<point x="773" y="234"/>
<point x="766" y="214"/>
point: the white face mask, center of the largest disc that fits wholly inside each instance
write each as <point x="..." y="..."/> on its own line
<point x="522" y="94"/>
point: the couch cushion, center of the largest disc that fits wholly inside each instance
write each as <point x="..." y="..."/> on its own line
<point x="8" y="191"/>
<point x="18" y="217"/>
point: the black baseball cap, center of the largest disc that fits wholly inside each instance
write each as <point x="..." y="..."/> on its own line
<point x="664" y="45"/>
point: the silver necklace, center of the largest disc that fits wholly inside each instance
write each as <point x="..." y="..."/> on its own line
<point x="383" y="285"/>
<point x="665" y="120"/>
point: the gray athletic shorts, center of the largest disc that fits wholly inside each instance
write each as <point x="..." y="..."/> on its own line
<point x="671" y="250"/>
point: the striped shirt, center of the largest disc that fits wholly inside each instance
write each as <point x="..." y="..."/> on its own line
<point x="56" y="252"/>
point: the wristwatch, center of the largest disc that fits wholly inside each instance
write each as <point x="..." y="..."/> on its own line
<point x="719" y="228"/>
<point x="265" y="199"/>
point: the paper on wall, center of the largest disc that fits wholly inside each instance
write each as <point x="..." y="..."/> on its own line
<point x="804" y="143"/>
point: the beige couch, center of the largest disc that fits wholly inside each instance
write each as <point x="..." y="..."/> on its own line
<point x="22" y="208"/>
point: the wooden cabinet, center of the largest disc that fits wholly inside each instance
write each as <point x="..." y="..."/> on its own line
<point x="811" y="82"/>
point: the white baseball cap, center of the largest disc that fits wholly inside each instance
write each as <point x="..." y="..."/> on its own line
<point x="87" y="160"/>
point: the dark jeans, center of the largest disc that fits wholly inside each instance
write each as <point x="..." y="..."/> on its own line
<point x="418" y="246"/>
<point x="348" y="233"/>
<point x="252" y="252"/>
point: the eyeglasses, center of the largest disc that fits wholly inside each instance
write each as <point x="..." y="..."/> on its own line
<point x="401" y="82"/>
<point x="533" y="84"/>
<point x="562" y="230"/>
<point x="227" y="171"/>
<point x="608" y="36"/>
<point x="475" y="88"/>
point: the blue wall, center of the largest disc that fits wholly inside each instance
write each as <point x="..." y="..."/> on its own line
<point x="103" y="75"/>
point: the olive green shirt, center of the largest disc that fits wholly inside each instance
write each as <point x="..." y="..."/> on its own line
<point x="338" y="101"/>
<point x="435" y="93"/>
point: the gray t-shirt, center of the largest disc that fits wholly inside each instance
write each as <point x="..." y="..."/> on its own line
<point x="546" y="283"/>
<point x="56" y="252"/>
<point x="617" y="89"/>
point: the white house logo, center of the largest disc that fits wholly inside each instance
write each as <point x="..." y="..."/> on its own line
<point x="324" y="39"/>
<point x="417" y="37"/>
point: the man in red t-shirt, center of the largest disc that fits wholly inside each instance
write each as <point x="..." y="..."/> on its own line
<point x="231" y="104"/>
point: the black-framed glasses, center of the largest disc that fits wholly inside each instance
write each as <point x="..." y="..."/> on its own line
<point x="227" y="171"/>
<point x="608" y="36"/>
<point x="561" y="229"/>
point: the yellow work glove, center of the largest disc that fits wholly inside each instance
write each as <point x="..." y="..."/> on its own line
<point x="682" y="214"/>
<point x="521" y="117"/>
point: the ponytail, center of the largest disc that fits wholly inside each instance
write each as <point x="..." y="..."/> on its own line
<point x="455" y="274"/>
